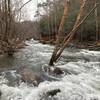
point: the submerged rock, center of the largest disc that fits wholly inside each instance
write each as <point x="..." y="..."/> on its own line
<point x="27" y="75"/>
<point x="58" y="71"/>
<point x="0" y="93"/>
<point x="53" y="92"/>
<point x="52" y="70"/>
<point x="49" y="95"/>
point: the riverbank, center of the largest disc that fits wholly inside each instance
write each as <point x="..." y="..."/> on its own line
<point x="92" y="45"/>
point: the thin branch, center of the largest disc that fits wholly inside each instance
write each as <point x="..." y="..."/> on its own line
<point x="75" y="29"/>
<point x="24" y="5"/>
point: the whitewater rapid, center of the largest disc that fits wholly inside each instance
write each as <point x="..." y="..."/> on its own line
<point x="82" y="84"/>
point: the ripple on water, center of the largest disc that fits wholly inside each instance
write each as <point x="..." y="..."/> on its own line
<point x="82" y="84"/>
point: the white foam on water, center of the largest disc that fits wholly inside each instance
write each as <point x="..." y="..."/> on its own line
<point x="82" y="84"/>
<point x="80" y="87"/>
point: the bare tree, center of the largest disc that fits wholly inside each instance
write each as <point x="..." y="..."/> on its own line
<point x="77" y="24"/>
<point x="10" y="13"/>
<point x="96" y="20"/>
<point x="60" y="33"/>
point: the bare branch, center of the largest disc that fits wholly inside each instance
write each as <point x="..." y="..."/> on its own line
<point x="24" y="5"/>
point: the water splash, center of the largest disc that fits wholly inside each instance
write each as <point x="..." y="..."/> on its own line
<point x="82" y="84"/>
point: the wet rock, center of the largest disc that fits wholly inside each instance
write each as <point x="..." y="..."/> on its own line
<point x="53" y="92"/>
<point x="69" y="72"/>
<point x="52" y="70"/>
<point x="27" y="75"/>
<point x="50" y="95"/>
<point x="47" y="77"/>
<point x="0" y="93"/>
<point x="94" y="99"/>
<point x="12" y="77"/>
<point x="46" y="68"/>
<point x="31" y="79"/>
<point x="58" y="71"/>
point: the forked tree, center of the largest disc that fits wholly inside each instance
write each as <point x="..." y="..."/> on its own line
<point x="96" y="20"/>
<point x="60" y="35"/>
<point x="59" y="49"/>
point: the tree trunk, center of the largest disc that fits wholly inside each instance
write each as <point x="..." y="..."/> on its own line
<point x="76" y="26"/>
<point x="60" y="35"/>
<point x="6" y="22"/>
<point x="9" y="20"/>
<point x="96" y="20"/>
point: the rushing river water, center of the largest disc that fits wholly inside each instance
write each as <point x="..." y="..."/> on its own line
<point x="82" y="84"/>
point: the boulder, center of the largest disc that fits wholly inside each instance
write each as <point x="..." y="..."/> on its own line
<point x="27" y="75"/>
<point x="58" y="71"/>
<point x="0" y="93"/>
<point x="53" y="92"/>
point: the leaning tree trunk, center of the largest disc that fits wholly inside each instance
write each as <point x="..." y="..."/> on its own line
<point x="57" y="48"/>
<point x="60" y="34"/>
<point x="72" y="33"/>
<point x="96" y="20"/>
<point x="76" y="26"/>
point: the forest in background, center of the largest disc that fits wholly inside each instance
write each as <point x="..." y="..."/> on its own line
<point x="69" y="21"/>
<point x="14" y="31"/>
<point x="49" y="22"/>
<point x="55" y="56"/>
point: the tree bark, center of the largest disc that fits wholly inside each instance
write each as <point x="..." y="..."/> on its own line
<point x="96" y="20"/>
<point x="76" y="26"/>
<point x="6" y="22"/>
<point x="60" y="35"/>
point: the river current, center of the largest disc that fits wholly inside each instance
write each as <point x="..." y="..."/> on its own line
<point x="82" y="84"/>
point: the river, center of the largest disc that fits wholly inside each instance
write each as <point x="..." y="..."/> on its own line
<point x="82" y="84"/>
